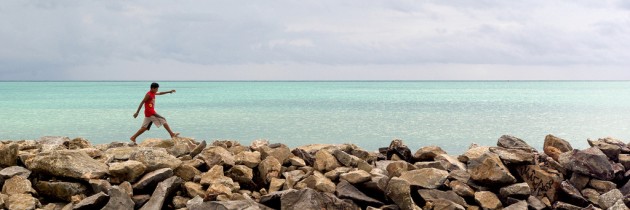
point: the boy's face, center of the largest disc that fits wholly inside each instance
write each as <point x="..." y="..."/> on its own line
<point x="154" y="90"/>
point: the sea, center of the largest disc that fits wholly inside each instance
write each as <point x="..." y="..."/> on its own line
<point x="370" y="114"/>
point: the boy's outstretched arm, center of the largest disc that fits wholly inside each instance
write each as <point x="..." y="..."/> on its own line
<point x="162" y="93"/>
<point x="146" y="98"/>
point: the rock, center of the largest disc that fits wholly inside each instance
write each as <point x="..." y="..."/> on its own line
<point x="281" y="153"/>
<point x="511" y="142"/>
<point x="626" y="188"/>
<point x="319" y="182"/>
<point x="591" y="195"/>
<point x="257" y="144"/>
<point x="218" y="183"/>
<point x="276" y="184"/>
<point x="444" y="204"/>
<point x="126" y="171"/>
<point x="488" y="200"/>
<point x="395" y="168"/>
<point x="624" y="159"/>
<point x="120" y="153"/>
<point x="428" y="178"/>
<point x="68" y="163"/>
<point x="215" y="155"/>
<point x="157" y="143"/>
<point x="428" y="153"/>
<point x="345" y="190"/>
<point x="249" y="159"/>
<point x="356" y="177"/>
<point x="155" y="158"/>
<point x="126" y="186"/>
<point x="198" y="149"/>
<point x="216" y="172"/>
<point x="579" y="181"/>
<point x="60" y="190"/>
<point x="296" y="200"/>
<point x="99" y="185"/>
<point x="51" y="143"/>
<point x="179" y="202"/>
<point x="460" y="175"/>
<point x="435" y="195"/>
<point x="9" y="155"/>
<point x="565" y="206"/>
<point x="488" y="169"/>
<point x="461" y="189"/>
<point x="242" y="174"/>
<point x="193" y="189"/>
<point x="592" y="162"/>
<point x="22" y="202"/>
<point x="602" y="186"/>
<point x="79" y="143"/>
<point x="535" y="203"/>
<point x="345" y="158"/>
<point x="514" y="156"/>
<point x="431" y="164"/>
<point x="541" y="181"/>
<point x="611" y="150"/>
<point x="396" y="147"/>
<point x="95" y="201"/>
<point x="269" y="168"/>
<point x="518" y="190"/>
<point x="152" y="178"/>
<point x="17" y="185"/>
<point x="118" y="200"/>
<point x="292" y="177"/>
<point x="162" y="191"/>
<point x="296" y="161"/>
<point x="399" y="191"/>
<point x="324" y="161"/>
<point x="186" y="172"/>
<point x="334" y="174"/>
<point x="473" y="153"/>
<point x="450" y="163"/>
<point x="307" y="157"/>
<point x="92" y="152"/>
<point x="9" y="172"/>
<point x="572" y="194"/>
<point x="609" y="199"/>
<point x="554" y="146"/>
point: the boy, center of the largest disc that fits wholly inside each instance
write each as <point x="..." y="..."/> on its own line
<point x="150" y="116"/>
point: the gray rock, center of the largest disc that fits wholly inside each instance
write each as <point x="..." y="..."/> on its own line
<point x="163" y="190"/>
<point x="626" y="188"/>
<point x="488" y="169"/>
<point x="68" y="163"/>
<point x="591" y="195"/>
<point x="118" y="200"/>
<point x="308" y="158"/>
<point x="346" y="190"/>
<point x="611" y="150"/>
<point x="609" y="199"/>
<point x="428" y="178"/>
<point x="155" y="158"/>
<point x="60" y="190"/>
<point x="310" y="199"/>
<point x="9" y="172"/>
<point x="22" y="202"/>
<point x="430" y="164"/>
<point x="140" y="200"/>
<point x="488" y="200"/>
<point x="445" y="205"/>
<point x="120" y="153"/>
<point x="9" y="155"/>
<point x="511" y="142"/>
<point x="535" y="203"/>
<point x="152" y="178"/>
<point x="95" y="201"/>
<point x="624" y="159"/>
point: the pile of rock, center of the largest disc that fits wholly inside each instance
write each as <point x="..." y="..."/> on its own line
<point x="60" y="173"/>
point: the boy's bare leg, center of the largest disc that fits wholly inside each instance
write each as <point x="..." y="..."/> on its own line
<point x="168" y="128"/>
<point x="140" y="131"/>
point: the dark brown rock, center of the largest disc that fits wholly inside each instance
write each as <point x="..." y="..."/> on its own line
<point x="310" y="199"/>
<point x="99" y="185"/>
<point x="9" y="155"/>
<point x="60" y="190"/>
<point x="579" y="181"/>
<point x="307" y="157"/>
<point x="345" y="190"/>
<point x="572" y="195"/>
<point x="565" y="206"/>
<point x="152" y="178"/>
<point x="511" y="142"/>
<point x="592" y="162"/>
<point x="95" y="201"/>
<point x="396" y="147"/>
<point x="541" y="181"/>
<point x="488" y="200"/>
<point x="611" y="150"/>
<point x="488" y="169"/>
<point x="434" y="195"/>
<point x="399" y="191"/>
<point x="118" y="200"/>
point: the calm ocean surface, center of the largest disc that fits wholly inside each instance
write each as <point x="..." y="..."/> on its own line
<point x="370" y="114"/>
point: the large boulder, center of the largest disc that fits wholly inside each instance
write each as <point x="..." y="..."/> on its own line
<point x="592" y="162"/>
<point x="119" y="153"/>
<point x="428" y="178"/>
<point x="489" y="169"/>
<point x="310" y="199"/>
<point x="555" y="146"/>
<point x="126" y="171"/>
<point x="611" y="150"/>
<point x="68" y="163"/>
<point x="60" y="190"/>
<point x="14" y="171"/>
<point x="155" y="158"/>
<point x="163" y="190"/>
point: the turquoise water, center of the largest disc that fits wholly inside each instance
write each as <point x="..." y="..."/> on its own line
<point x="370" y="114"/>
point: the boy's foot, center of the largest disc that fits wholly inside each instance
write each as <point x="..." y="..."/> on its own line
<point x="174" y="135"/>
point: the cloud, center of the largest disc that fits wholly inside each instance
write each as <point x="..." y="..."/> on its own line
<point x="62" y="36"/>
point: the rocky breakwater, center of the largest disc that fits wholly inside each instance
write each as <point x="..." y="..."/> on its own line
<point x="181" y="173"/>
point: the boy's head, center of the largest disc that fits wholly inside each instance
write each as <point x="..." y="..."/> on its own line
<point x="154" y="87"/>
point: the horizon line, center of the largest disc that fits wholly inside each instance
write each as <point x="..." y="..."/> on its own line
<point x="497" y="80"/>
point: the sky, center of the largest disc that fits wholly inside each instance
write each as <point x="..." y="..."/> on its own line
<point x="315" y="40"/>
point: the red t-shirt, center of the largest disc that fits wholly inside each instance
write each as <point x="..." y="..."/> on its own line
<point x="149" y="107"/>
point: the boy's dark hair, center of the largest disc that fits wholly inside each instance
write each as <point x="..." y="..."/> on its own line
<point x="155" y="85"/>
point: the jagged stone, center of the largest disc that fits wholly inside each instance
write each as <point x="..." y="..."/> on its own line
<point x="626" y="188"/>
<point x="215" y="155"/>
<point x="186" y="172"/>
<point x="579" y="181"/>
<point x="514" y="156"/>
<point x="609" y="199"/>
<point x="126" y="171"/>
<point x="428" y="178"/>
<point x="473" y="152"/>
<point x="314" y="200"/>
<point x="292" y="177"/>
<point x="356" y="177"/>
<point x="395" y="168"/>
<point x="163" y="190"/>
<point x="68" y="163"/>
<point x="462" y="189"/>
<point x="194" y="189"/>
<point x="118" y="200"/>
<point x="152" y="178"/>
<point x="592" y="162"/>
<point x="17" y="185"/>
<point x="269" y="168"/>
<point x="488" y="200"/>
<point x="450" y="163"/>
<point x="591" y="195"/>
<point x="518" y="190"/>
<point x="99" y="185"/>
<point x="9" y="172"/>
<point x="126" y="186"/>
<point x="430" y="164"/>
<point x="241" y="174"/>
<point x="572" y="194"/>
<point x="602" y="186"/>
<point x="95" y="201"/>
<point x="324" y="161"/>
<point x="281" y="153"/>
<point x="535" y="203"/>
<point x="488" y="169"/>
<point x="511" y="142"/>
<point x="22" y="202"/>
<point x="60" y="190"/>
<point x="399" y="191"/>
<point x="119" y="153"/>
<point x="433" y="195"/>
<point x="198" y="149"/>
<point x="555" y="146"/>
<point x="155" y="158"/>
<point x="179" y="202"/>
<point x="302" y="154"/>
<point x="51" y="143"/>
<point x="428" y="153"/>
<point x="79" y="143"/>
<point x="624" y="159"/>
<point x="319" y="182"/>
<point x="611" y="150"/>
<point x="396" y="147"/>
<point x="541" y="181"/>
<point x="249" y="159"/>
<point x="345" y="190"/>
